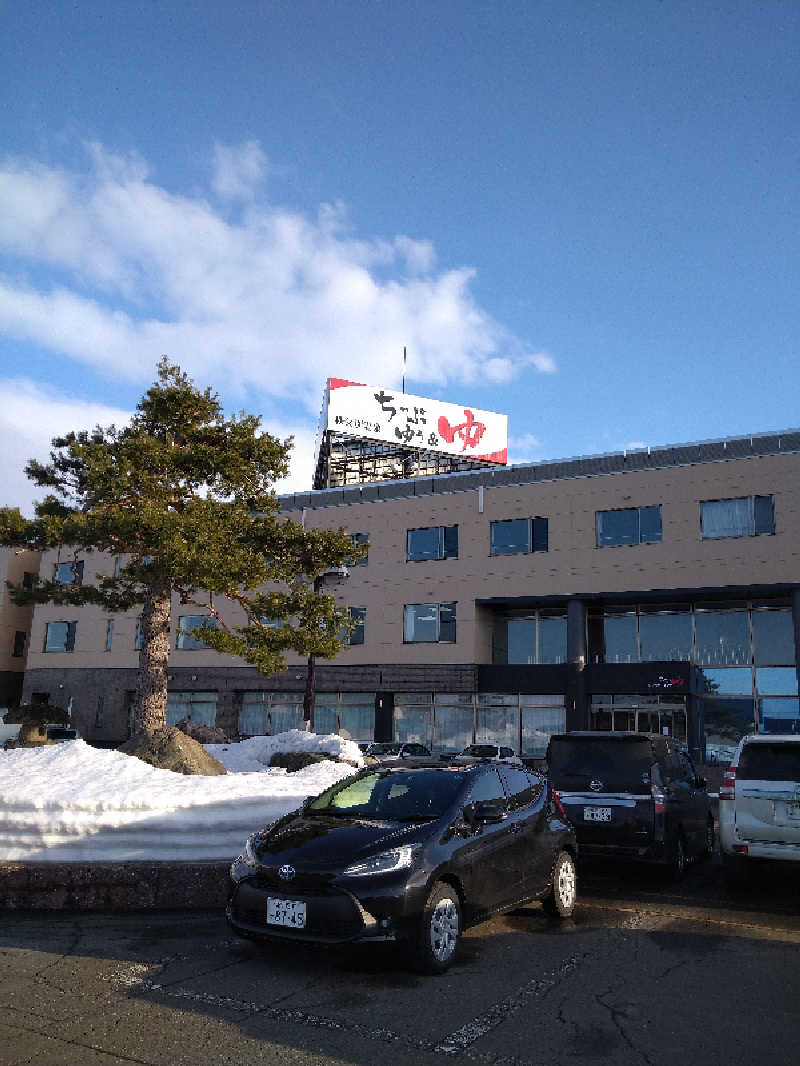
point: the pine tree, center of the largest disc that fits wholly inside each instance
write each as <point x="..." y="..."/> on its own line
<point x="183" y="495"/>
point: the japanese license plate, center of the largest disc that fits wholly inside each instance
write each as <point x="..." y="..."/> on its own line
<point x="597" y="814"/>
<point x="793" y="811"/>
<point x="291" y="912"/>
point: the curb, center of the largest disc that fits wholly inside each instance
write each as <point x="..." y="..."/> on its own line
<point x="113" y="886"/>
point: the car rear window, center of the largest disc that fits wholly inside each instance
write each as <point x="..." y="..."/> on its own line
<point x="621" y="765"/>
<point x="769" y="762"/>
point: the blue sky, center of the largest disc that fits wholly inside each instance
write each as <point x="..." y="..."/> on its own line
<point x="581" y="214"/>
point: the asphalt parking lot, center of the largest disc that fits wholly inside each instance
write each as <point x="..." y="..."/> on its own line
<point x="646" y="972"/>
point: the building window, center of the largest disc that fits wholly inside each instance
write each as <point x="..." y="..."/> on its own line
<point x="109" y="633"/>
<point x="200" y="707"/>
<point x="628" y="525"/>
<point x="359" y="539"/>
<point x="19" y="644"/>
<point x="60" y="636"/>
<point x="748" y="516"/>
<point x="519" y="535"/>
<point x="139" y="636"/>
<point x="534" y="639"/>
<point x="359" y="615"/>
<point x="28" y="579"/>
<point x="435" y="542"/>
<point x="429" y="623"/>
<point x="185" y="641"/>
<point x="70" y="573"/>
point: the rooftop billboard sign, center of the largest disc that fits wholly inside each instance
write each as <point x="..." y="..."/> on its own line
<point x="395" y="417"/>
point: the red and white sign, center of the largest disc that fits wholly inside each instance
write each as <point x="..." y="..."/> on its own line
<point x="415" y="422"/>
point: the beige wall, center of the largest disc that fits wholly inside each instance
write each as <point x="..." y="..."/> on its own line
<point x="573" y="565"/>
<point x="13" y="619"/>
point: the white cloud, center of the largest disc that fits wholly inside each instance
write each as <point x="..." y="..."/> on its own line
<point x="238" y="170"/>
<point x="30" y="416"/>
<point x="524" y="449"/>
<point x="278" y="299"/>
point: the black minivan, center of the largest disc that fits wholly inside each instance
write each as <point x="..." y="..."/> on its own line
<point x="634" y="796"/>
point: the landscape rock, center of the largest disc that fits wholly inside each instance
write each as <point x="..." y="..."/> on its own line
<point x="296" y="760"/>
<point x="169" y="748"/>
<point x="205" y="734"/>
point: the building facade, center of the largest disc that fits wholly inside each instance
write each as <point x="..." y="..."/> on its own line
<point x="653" y="589"/>
<point x="18" y="568"/>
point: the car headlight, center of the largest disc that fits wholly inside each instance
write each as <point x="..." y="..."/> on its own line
<point x="385" y="862"/>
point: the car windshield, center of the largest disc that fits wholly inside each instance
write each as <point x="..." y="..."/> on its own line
<point x="769" y="762"/>
<point x="420" y="795"/>
<point x="385" y="749"/>
<point x="621" y="765"/>
<point x="481" y="751"/>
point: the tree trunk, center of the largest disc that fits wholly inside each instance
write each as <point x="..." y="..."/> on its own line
<point x="151" y="686"/>
<point x="309" y="696"/>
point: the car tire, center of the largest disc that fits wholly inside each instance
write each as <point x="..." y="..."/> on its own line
<point x="560" y="900"/>
<point x="439" y="930"/>
<point x="678" y="863"/>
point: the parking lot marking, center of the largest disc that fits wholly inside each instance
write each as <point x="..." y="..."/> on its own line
<point x="462" y="1038"/>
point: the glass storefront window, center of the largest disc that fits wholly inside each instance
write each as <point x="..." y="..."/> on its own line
<point x="665" y="637"/>
<point x="285" y="716"/>
<point x="552" y="640"/>
<point x="498" y="725"/>
<point x="619" y="633"/>
<point x="538" y="725"/>
<point x="733" y="681"/>
<point x="773" y="638"/>
<point x="201" y="707"/>
<point x="452" y="725"/>
<point x="253" y="715"/>
<point x="357" y="715"/>
<point x="413" y="725"/>
<point x="725" y="722"/>
<point x="778" y="715"/>
<point x="722" y="639"/>
<point x="776" y="681"/>
<point x="324" y="717"/>
<point x="521" y="641"/>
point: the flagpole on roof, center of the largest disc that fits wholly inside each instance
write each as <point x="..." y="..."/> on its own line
<point x="404" y="368"/>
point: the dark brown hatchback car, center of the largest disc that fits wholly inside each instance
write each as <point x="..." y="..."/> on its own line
<point x="634" y="796"/>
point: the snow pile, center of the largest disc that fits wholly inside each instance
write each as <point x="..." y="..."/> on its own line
<point x="71" y="802"/>
<point x="255" y="754"/>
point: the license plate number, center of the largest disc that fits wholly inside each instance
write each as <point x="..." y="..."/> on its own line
<point x="793" y="811"/>
<point x="597" y="814"/>
<point x="290" y="912"/>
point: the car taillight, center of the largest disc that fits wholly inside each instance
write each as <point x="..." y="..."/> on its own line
<point x="659" y="798"/>
<point x="559" y="806"/>
<point x="727" y="790"/>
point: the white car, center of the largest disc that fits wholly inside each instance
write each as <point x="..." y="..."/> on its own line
<point x="495" y="752"/>
<point x="759" y="804"/>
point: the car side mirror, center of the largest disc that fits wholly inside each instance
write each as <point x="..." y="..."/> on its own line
<point x="487" y="812"/>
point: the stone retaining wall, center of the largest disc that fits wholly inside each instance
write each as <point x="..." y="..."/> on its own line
<point x="117" y="886"/>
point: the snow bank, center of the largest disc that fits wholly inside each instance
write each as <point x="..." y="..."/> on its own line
<point x="71" y="802"/>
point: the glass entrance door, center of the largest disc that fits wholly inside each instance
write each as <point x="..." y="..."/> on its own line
<point x="640" y="714"/>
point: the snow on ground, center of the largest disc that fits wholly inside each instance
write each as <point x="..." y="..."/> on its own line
<point x="71" y="802"/>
